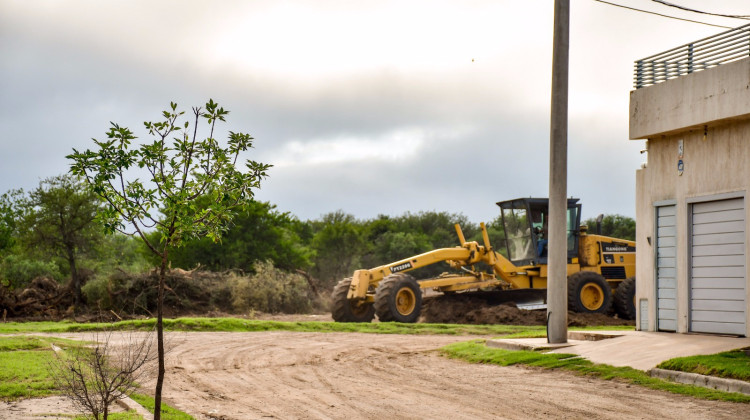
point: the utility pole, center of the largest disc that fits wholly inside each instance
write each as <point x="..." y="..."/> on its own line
<point x="557" y="250"/>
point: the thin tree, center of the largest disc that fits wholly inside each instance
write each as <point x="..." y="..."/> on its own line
<point x="96" y="376"/>
<point x="193" y="185"/>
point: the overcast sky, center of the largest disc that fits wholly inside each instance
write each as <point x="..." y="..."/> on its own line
<point x="370" y="107"/>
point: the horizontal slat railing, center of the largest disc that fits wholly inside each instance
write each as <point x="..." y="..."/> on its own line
<point x="705" y="53"/>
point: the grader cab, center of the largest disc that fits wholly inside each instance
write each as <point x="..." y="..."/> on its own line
<point x="601" y="269"/>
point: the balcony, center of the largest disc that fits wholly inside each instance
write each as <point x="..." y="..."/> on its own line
<point x="713" y="51"/>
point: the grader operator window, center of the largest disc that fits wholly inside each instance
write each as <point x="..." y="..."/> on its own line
<point x="518" y="234"/>
<point x="526" y="223"/>
<point x="574" y="221"/>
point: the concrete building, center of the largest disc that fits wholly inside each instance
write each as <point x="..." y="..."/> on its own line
<point x="692" y="104"/>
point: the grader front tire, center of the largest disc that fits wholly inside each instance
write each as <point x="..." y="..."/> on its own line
<point x="345" y="310"/>
<point x="398" y="298"/>
<point x="589" y="292"/>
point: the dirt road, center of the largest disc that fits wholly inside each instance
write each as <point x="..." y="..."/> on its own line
<point x="346" y="376"/>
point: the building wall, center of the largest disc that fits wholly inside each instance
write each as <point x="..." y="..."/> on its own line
<point x="716" y="166"/>
<point x="710" y="112"/>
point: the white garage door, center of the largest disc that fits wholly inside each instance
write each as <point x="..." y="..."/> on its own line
<point x="717" y="276"/>
<point x="666" y="268"/>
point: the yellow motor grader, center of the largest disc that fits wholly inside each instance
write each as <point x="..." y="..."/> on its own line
<point x="601" y="269"/>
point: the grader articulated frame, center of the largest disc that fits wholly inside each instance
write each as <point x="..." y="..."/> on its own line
<point x="600" y="269"/>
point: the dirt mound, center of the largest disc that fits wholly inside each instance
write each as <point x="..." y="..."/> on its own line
<point x="467" y="309"/>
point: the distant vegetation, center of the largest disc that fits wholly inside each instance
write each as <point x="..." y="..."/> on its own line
<point x="613" y="225"/>
<point x="268" y="260"/>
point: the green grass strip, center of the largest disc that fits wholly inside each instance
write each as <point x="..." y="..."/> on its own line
<point x="167" y="412"/>
<point x="477" y="352"/>
<point x="730" y="364"/>
<point x="34" y="343"/>
<point x="245" y="325"/>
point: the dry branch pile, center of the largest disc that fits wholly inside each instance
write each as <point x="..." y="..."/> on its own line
<point x="199" y="292"/>
<point x="124" y="295"/>
<point x="43" y="297"/>
<point x="186" y="291"/>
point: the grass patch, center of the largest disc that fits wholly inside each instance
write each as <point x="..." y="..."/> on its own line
<point x="24" y="366"/>
<point x="733" y="364"/>
<point x="23" y="343"/>
<point x="33" y="343"/>
<point x="167" y="412"/>
<point x="23" y="374"/>
<point x="477" y="352"/>
<point x="245" y="325"/>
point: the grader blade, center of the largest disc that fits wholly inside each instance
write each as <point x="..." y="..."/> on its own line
<point x="528" y="299"/>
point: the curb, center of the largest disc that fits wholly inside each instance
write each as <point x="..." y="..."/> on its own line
<point x="590" y="335"/>
<point x="720" y="384"/>
<point x="541" y="344"/>
<point x="129" y="404"/>
<point x="524" y="344"/>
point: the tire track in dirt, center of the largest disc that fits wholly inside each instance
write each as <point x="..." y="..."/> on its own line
<point x="345" y="375"/>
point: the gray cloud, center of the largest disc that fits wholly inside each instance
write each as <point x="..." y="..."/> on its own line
<point x="480" y="129"/>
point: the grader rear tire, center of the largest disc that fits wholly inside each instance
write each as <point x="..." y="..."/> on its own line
<point x="398" y="298"/>
<point x="589" y="292"/>
<point x="625" y="299"/>
<point x="345" y="310"/>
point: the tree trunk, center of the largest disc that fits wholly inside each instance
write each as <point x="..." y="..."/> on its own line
<point x="160" y="336"/>
<point x="75" y="279"/>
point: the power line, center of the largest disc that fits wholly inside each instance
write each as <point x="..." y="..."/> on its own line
<point x="659" y="14"/>
<point x="666" y="3"/>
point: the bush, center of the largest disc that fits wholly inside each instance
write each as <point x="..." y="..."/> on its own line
<point x="270" y="290"/>
<point x="119" y="253"/>
<point x="17" y="272"/>
<point x="96" y="293"/>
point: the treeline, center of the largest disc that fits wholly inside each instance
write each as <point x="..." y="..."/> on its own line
<point x="277" y="262"/>
<point x="329" y="248"/>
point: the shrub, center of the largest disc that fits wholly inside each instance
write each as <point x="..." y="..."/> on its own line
<point x="17" y="272"/>
<point x="270" y="289"/>
<point x="96" y="293"/>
